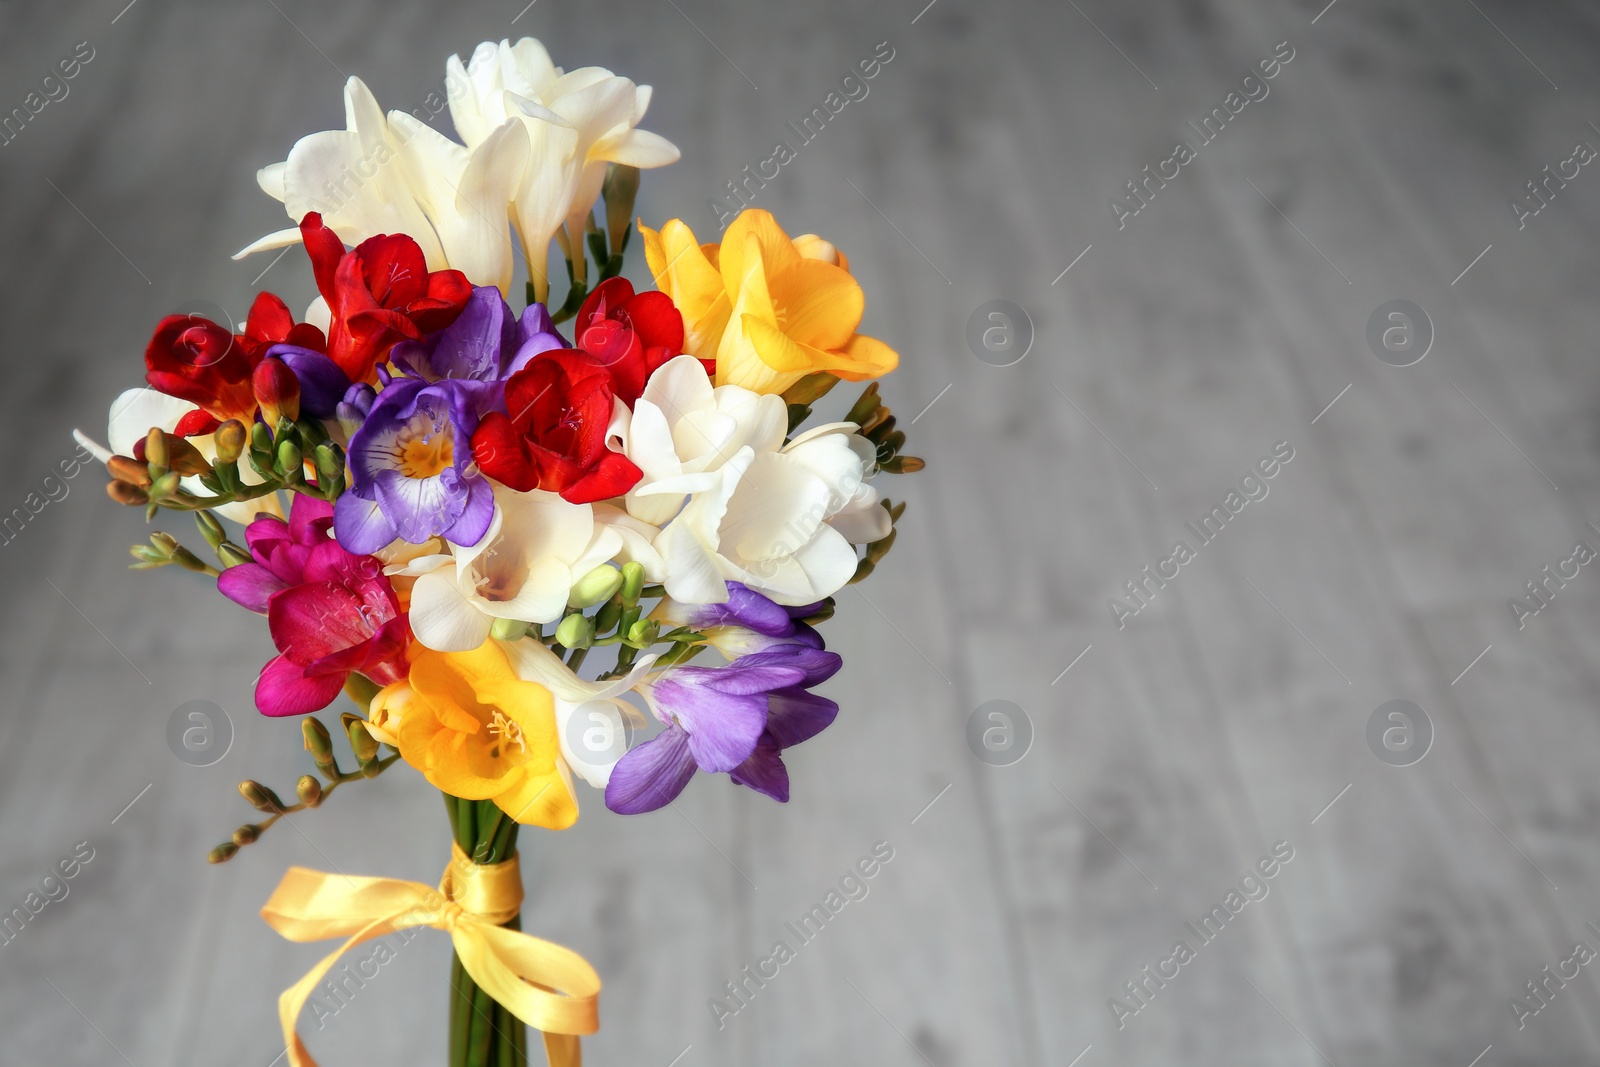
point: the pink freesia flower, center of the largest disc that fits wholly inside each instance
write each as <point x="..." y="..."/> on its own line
<point x="330" y="612"/>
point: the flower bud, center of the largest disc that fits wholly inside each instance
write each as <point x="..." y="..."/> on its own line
<point x="352" y="410"/>
<point x="189" y="561"/>
<point x="232" y="555"/>
<point x="330" y="462"/>
<point x="165" y="485"/>
<point x="260" y="797"/>
<point x="155" y="448"/>
<point x="231" y="437"/>
<point x="318" y="741"/>
<point x="246" y="834"/>
<point x="575" y="631"/>
<point x="290" y="461"/>
<point x="164" y="543"/>
<point x="607" y="617"/>
<point x="643" y="632"/>
<point x="183" y="457"/>
<point x="598" y="585"/>
<point x="632" y="582"/>
<point x="223" y="853"/>
<point x="309" y="790"/>
<point x="363" y="744"/>
<point x="127" y="493"/>
<point x="619" y="190"/>
<point x="210" y="528"/>
<point x="508" y="630"/>
<point x="277" y="390"/>
<point x="131" y="471"/>
<point x="260" y="439"/>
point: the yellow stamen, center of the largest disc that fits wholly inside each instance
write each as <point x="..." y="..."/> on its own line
<point x="503" y="728"/>
<point x="423" y="454"/>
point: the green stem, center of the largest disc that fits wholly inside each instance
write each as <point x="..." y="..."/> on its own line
<point x="482" y="1032"/>
<point x="460" y="1005"/>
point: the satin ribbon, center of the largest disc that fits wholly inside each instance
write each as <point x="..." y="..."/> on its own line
<point x="547" y="986"/>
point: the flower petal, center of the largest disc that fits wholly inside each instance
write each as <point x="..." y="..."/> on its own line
<point x="651" y="775"/>
<point x="442" y="618"/>
<point x="285" y="689"/>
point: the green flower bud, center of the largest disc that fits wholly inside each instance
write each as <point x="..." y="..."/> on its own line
<point x="289" y="461"/>
<point x="260" y="797"/>
<point x="606" y="619"/>
<point x="644" y="632"/>
<point x="632" y="582"/>
<point x="246" y="834"/>
<point x="232" y="555"/>
<point x="210" y="528"/>
<point x="330" y="464"/>
<point x="165" y="486"/>
<point x="575" y="631"/>
<point x="619" y="190"/>
<point x="260" y="439"/>
<point x="508" y="630"/>
<point x="164" y="543"/>
<point x="189" y="561"/>
<point x="223" y="853"/>
<point x="318" y="741"/>
<point x="309" y="790"/>
<point x="363" y="744"/>
<point x="598" y="585"/>
<point x="149" y="554"/>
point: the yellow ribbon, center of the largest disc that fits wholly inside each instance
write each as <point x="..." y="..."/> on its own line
<point x="547" y="986"/>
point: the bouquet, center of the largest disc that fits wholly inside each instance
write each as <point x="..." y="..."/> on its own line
<point x="446" y="509"/>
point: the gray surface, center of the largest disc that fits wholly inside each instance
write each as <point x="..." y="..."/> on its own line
<point x="1173" y="754"/>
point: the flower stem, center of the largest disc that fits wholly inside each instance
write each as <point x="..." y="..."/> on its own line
<point x="482" y="1032"/>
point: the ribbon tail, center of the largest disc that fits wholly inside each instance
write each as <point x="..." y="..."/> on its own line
<point x="548" y="986"/>
<point x="293" y="1000"/>
<point x="562" y="1050"/>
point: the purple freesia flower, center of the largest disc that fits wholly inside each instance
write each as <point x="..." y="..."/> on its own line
<point x="735" y="719"/>
<point x="352" y="409"/>
<point x="744" y="623"/>
<point x="485" y="343"/>
<point x="412" y="470"/>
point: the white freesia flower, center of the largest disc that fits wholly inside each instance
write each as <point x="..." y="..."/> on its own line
<point x="783" y="523"/>
<point x="523" y="568"/>
<point x="592" y="719"/>
<point x="138" y="411"/>
<point x="682" y="432"/>
<point x="576" y="121"/>
<point x="396" y="175"/>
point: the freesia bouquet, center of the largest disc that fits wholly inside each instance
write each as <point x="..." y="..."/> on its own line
<point x="445" y="508"/>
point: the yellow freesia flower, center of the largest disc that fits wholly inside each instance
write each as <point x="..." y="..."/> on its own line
<point x="476" y="730"/>
<point x="768" y="309"/>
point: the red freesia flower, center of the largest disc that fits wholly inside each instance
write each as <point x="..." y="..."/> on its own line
<point x="330" y="612"/>
<point x="555" y="435"/>
<point x="271" y="323"/>
<point x="629" y="334"/>
<point x="379" y="294"/>
<point x="194" y="359"/>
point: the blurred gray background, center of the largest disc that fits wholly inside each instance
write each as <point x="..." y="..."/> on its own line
<point x="1230" y="714"/>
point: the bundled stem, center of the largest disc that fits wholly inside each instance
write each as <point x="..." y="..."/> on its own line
<point x="482" y="1032"/>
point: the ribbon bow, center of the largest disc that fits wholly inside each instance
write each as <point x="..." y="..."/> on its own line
<point x="547" y="986"/>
